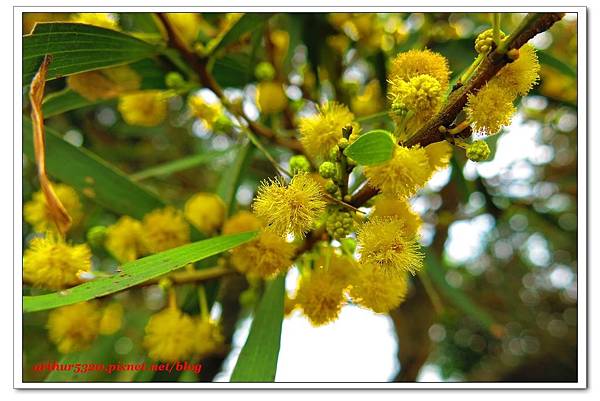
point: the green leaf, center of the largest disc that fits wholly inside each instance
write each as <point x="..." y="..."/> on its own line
<point x="373" y="147"/>
<point x="258" y="359"/>
<point x="63" y="101"/>
<point x="559" y="65"/>
<point x="228" y="184"/>
<point x="247" y="23"/>
<point x="91" y="175"/>
<point x="137" y="272"/>
<point x="77" y="48"/>
<point x="181" y="164"/>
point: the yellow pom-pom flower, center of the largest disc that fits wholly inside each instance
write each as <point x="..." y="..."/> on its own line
<point x="51" y="263"/>
<point x="370" y="101"/>
<point x="490" y="109"/>
<point x="403" y="175"/>
<point x="321" y="132"/>
<point x="103" y="20"/>
<point x="265" y="256"/>
<point x="373" y="289"/>
<point x="104" y="84"/>
<point x="241" y="222"/>
<point x="292" y="208"/>
<point x="387" y="243"/>
<point x="320" y="296"/>
<point x="208" y="338"/>
<point x="206" y="211"/>
<point x="421" y="94"/>
<point x="401" y="209"/>
<point x="165" y="229"/>
<point x="519" y="76"/>
<point x="37" y="214"/>
<point x="271" y="97"/>
<point x="124" y="239"/>
<point x="146" y="108"/>
<point x="171" y="335"/>
<point x="111" y="319"/>
<point x="74" y="327"/>
<point x="412" y="63"/>
<point x="439" y="155"/>
<point x="208" y="113"/>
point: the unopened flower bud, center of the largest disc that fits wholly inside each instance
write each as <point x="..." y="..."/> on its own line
<point x="478" y="151"/>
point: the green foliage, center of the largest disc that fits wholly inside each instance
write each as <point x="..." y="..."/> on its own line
<point x="373" y="147"/>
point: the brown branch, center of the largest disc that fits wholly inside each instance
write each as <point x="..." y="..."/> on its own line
<point x="533" y="24"/>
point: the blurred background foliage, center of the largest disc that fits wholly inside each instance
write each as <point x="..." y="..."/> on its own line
<point x="502" y="232"/>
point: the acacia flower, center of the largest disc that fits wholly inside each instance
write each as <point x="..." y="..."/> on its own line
<point x="164" y="229"/>
<point x="51" y="263"/>
<point x="208" y="113"/>
<point x="421" y="94"/>
<point x="321" y="132"/>
<point x="111" y="319"/>
<point x="490" y="109"/>
<point x="271" y="97"/>
<point x="265" y="256"/>
<point x="146" y="108"/>
<point x="208" y="338"/>
<point x="387" y="243"/>
<point x="320" y="296"/>
<point x="206" y="211"/>
<point x="74" y="327"/>
<point x="124" y="239"/>
<point x="104" y="84"/>
<point x="170" y="335"/>
<point x="401" y="209"/>
<point x="519" y="76"/>
<point x="292" y="208"/>
<point x="403" y="175"/>
<point x="241" y="222"/>
<point x="375" y="290"/>
<point x="439" y="154"/>
<point x="419" y="62"/>
<point x="37" y="214"/>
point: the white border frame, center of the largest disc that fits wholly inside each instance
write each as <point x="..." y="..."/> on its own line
<point x="582" y="279"/>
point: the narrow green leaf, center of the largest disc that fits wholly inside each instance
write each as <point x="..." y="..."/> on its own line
<point x="79" y="47"/>
<point x="258" y="359"/>
<point x="137" y="272"/>
<point x="247" y="23"/>
<point x="559" y="65"/>
<point x="180" y="164"/>
<point x="63" y="101"/>
<point x="91" y="175"/>
<point x="231" y="177"/>
<point x="373" y="147"/>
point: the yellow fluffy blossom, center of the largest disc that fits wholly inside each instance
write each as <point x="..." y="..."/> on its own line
<point x="103" y="20"/>
<point x="187" y="25"/>
<point x="111" y="319"/>
<point x="490" y="109"/>
<point x="439" y="155"/>
<point x="265" y="256"/>
<point x="206" y="211"/>
<point x="403" y="175"/>
<point x="321" y="132"/>
<point x="340" y="267"/>
<point x="292" y="208"/>
<point x="320" y="296"/>
<point x="370" y="101"/>
<point x="146" y="108"/>
<point x="271" y="97"/>
<point x="51" y="263"/>
<point x="241" y="222"/>
<point x="412" y="63"/>
<point x="387" y="243"/>
<point x="519" y="76"/>
<point x="421" y="94"/>
<point x="124" y="239"/>
<point x="104" y="84"/>
<point x="170" y="335"/>
<point x="289" y="305"/>
<point x="37" y="214"/>
<point x="165" y="229"/>
<point x="74" y="327"/>
<point x="373" y="289"/>
<point x="401" y="209"/>
<point x="208" y="338"/>
<point x="208" y="113"/>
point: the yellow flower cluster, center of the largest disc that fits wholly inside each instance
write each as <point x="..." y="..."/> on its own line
<point x="320" y="295"/>
<point x="375" y="290"/>
<point x="206" y="211"/>
<point x="146" y="108"/>
<point x="241" y="222"/>
<point x="413" y="63"/>
<point x="289" y="209"/>
<point x="164" y="229"/>
<point x="37" y="214"/>
<point x="265" y="256"/>
<point x="105" y="84"/>
<point x="398" y="208"/>
<point x="208" y="113"/>
<point x="271" y="97"/>
<point x="370" y="101"/>
<point x="124" y="239"/>
<point x="321" y="132"/>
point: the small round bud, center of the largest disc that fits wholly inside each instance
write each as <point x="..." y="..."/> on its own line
<point x="96" y="236"/>
<point x="339" y="223"/>
<point x="174" y="80"/>
<point x="353" y="137"/>
<point x="330" y="187"/>
<point x="327" y="170"/>
<point x="299" y="164"/>
<point x="513" y="54"/>
<point x="343" y="143"/>
<point x="333" y="153"/>
<point x="264" y="71"/>
<point x="483" y="43"/>
<point x="347" y="198"/>
<point x="478" y="151"/>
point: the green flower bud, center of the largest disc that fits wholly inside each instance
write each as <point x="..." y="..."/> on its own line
<point x="333" y="153"/>
<point x="96" y="236"/>
<point x="478" y="151"/>
<point x="264" y="71"/>
<point x="223" y="124"/>
<point x="343" y="143"/>
<point x="174" y="80"/>
<point x="327" y="170"/>
<point x="339" y="223"/>
<point x="483" y="43"/>
<point x="330" y="187"/>
<point x="299" y="164"/>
